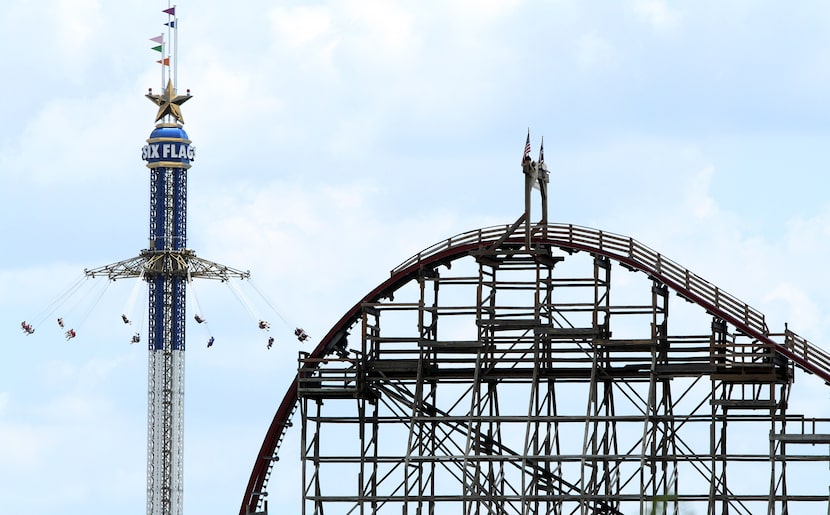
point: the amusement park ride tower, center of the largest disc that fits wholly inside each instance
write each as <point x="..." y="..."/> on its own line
<point x="167" y="265"/>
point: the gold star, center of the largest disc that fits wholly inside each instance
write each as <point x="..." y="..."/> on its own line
<point x="169" y="102"/>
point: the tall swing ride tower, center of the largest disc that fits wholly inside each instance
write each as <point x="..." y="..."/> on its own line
<point x="167" y="266"/>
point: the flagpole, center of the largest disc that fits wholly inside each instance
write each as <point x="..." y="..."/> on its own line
<point x="527" y="169"/>
<point x="172" y="42"/>
<point x="176" y="53"/>
<point x="163" y="47"/>
<point x="543" y="178"/>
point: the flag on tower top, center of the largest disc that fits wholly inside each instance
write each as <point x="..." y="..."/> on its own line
<point x="526" y="154"/>
<point x="542" y="151"/>
<point x="171" y="11"/>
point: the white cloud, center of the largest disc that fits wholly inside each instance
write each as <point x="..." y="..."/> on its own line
<point x="800" y="311"/>
<point x="657" y="14"/>
<point x="482" y="11"/>
<point x="77" y="22"/>
<point x="594" y="52"/>
<point x="381" y="29"/>
<point x="302" y="25"/>
<point x="24" y="448"/>
<point x="698" y="199"/>
<point x="73" y="140"/>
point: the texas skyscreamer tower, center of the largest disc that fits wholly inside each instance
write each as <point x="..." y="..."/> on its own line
<point x="167" y="266"/>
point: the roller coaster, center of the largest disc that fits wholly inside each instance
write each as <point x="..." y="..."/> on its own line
<point x="493" y="373"/>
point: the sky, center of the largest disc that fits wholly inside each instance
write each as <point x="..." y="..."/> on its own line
<point x="337" y="138"/>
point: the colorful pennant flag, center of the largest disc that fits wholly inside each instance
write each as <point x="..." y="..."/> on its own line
<point x="157" y="48"/>
<point x="165" y="61"/>
<point x="158" y="39"/>
<point x="171" y="11"/>
<point x="171" y="24"/>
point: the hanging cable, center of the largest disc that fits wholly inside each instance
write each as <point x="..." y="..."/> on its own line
<point x="242" y="299"/>
<point x="261" y="322"/>
<point x="83" y="300"/>
<point x="198" y="316"/>
<point x="85" y="315"/>
<point x="299" y="332"/>
<point x="191" y="296"/>
<point x="129" y="308"/>
<point x="50" y="310"/>
<point x="136" y="337"/>
<point x="66" y="322"/>
<point x="264" y="298"/>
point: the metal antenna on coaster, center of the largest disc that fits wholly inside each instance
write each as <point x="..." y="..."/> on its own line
<point x="167" y="265"/>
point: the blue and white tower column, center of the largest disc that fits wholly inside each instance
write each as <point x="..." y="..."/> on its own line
<point x="167" y="266"/>
<point x="168" y="154"/>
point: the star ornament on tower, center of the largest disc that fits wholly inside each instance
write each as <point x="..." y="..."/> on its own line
<point x="169" y="102"/>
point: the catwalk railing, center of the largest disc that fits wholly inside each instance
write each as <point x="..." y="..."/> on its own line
<point x="632" y="253"/>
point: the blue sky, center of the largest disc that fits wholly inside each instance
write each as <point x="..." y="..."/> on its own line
<point x="337" y="138"/>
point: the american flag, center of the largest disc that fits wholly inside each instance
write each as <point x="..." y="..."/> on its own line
<point x="527" y="147"/>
